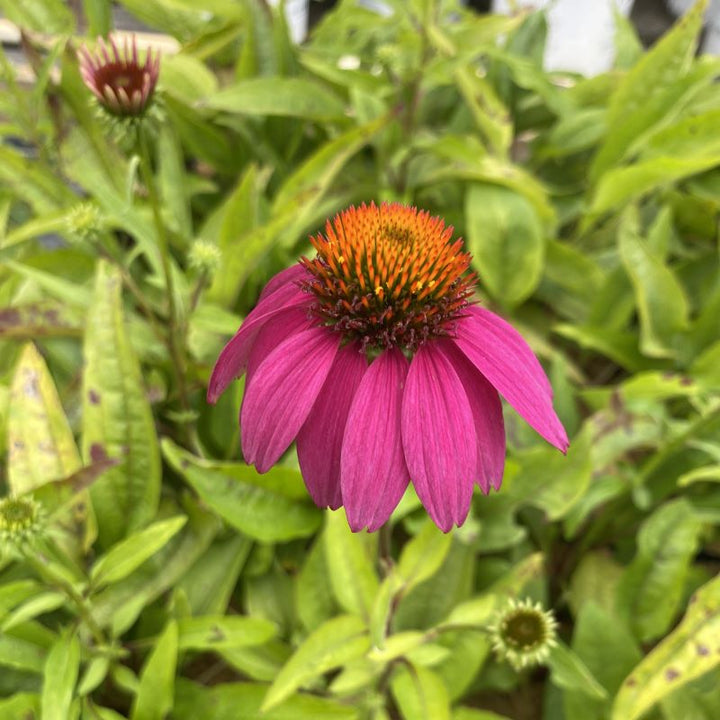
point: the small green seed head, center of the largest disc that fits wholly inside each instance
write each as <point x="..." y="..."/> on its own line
<point x="523" y="633"/>
<point x="22" y="522"/>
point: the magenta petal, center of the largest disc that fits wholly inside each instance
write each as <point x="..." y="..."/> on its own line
<point x="510" y="343"/>
<point x="487" y="413"/>
<point x="438" y="435"/>
<point x="372" y="467"/>
<point x="278" y="328"/>
<point x="294" y="274"/>
<point x="319" y="442"/>
<point x="281" y="393"/>
<point x="499" y="352"/>
<point x="234" y="356"/>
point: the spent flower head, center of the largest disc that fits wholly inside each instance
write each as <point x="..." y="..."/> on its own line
<point x="374" y="356"/>
<point x="523" y="633"/>
<point x="122" y="84"/>
<point x="22" y="522"/>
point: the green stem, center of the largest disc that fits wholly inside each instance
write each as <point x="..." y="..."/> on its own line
<point x="44" y="569"/>
<point x="177" y="356"/>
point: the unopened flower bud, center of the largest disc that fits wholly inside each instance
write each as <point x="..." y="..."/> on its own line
<point x="205" y="257"/>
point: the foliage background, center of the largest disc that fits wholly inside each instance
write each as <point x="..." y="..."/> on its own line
<point x="179" y="582"/>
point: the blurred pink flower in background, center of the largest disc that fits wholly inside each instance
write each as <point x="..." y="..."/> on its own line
<point x="373" y="357"/>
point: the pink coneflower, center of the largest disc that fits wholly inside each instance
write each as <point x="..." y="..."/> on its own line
<point x="373" y="357"/>
<point x="122" y="85"/>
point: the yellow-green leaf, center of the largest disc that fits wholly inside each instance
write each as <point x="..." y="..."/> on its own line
<point x="686" y="653"/>
<point x="41" y="444"/>
<point x="156" y="691"/>
<point x="332" y="645"/>
<point x="61" y="673"/>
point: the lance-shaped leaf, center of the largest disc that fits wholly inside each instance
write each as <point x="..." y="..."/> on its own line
<point x="117" y="418"/>
<point x="261" y="513"/>
<point x="222" y="632"/>
<point x="41" y="444"/>
<point x="689" y="651"/>
<point x="651" y="590"/>
<point x="134" y="550"/>
<point x="349" y="559"/>
<point x="332" y="645"/>
<point x="650" y="90"/>
<point x="61" y="673"/>
<point x="661" y="301"/>
<point x="420" y="694"/>
<point x="156" y="691"/>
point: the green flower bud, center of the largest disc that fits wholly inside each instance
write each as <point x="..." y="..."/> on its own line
<point x="205" y="257"/>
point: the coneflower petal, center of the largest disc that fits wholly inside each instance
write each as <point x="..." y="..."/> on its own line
<point x="438" y="435"/>
<point x="319" y="442"/>
<point x="498" y="351"/>
<point x="373" y="472"/>
<point x="282" y="392"/>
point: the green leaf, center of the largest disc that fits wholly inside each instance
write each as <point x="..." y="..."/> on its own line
<point x="45" y="16"/>
<point x="119" y="605"/>
<point x="41" y="444"/>
<point x="117" y="419"/>
<point x="686" y="653"/>
<point x="314" y="599"/>
<point x="210" y="582"/>
<point x="463" y="713"/>
<point x="619" y="186"/>
<point x="506" y="239"/>
<point x="350" y="561"/>
<point x="61" y="673"/>
<point x="569" y="671"/>
<point x="21" y="654"/>
<point x="661" y="302"/>
<point x="223" y="632"/>
<point x="37" y="605"/>
<point x="154" y="699"/>
<point x="173" y="182"/>
<point x="280" y="96"/>
<point x="20" y="705"/>
<point x="649" y="90"/>
<point x="242" y="701"/>
<point x="422" y="556"/>
<point x="133" y="551"/>
<point x="553" y="482"/>
<point x="488" y="112"/>
<point x="262" y="514"/>
<point x="332" y="645"/>
<point x="420" y="694"/>
<point x="652" y="588"/>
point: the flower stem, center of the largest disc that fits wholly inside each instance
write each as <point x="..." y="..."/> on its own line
<point x="177" y="357"/>
<point x="43" y="568"/>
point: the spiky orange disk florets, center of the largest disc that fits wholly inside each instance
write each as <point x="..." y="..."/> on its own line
<point x="389" y="276"/>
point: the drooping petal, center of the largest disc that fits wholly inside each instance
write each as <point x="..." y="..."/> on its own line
<point x="281" y="393"/>
<point x="511" y="343"/>
<point x="438" y="435"/>
<point x="487" y="413"/>
<point x="278" y="328"/>
<point x="319" y="442"/>
<point x="373" y="472"/>
<point x="234" y="356"/>
<point x="499" y="352"/>
<point x="294" y="274"/>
